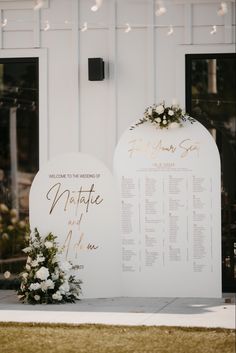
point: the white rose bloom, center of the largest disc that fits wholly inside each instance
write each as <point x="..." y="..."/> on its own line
<point x="170" y="112"/>
<point x="64" y="288"/>
<point x="48" y="244"/>
<point x="34" y="263"/>
<point x="42" y="273"/>
<point x="34" y="286"/>
<point x="57" y="296"/>
<point x="28" y="249"/>
<point x="164" y="122"/>
<point x="37" y="297"/>
<point x="158" y="120"/>
<point x="25" y="275"/>
<point x="160" y="109"/>
<point x="27" y="266"/>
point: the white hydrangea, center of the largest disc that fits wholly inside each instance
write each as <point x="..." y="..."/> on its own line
<point x="158" y="120"/>
<point x="42" y="273"/>
<point x="170" y="112"/>
<point x="48" y="284"/>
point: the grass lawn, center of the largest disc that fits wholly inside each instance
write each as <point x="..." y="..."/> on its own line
<point x="60" y="338"/>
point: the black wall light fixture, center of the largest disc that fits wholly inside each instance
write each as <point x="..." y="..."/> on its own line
<point x="96" y="69"/>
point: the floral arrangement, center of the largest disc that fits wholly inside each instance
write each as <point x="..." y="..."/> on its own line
<point x="13" y="232"/>
<point x="164" y="117"/>
<point x="45" y="280"/>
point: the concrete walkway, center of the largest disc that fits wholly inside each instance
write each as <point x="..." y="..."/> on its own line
<point x="189" y="312"/>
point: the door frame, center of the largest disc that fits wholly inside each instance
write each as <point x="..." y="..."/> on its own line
<point x="41" y="54"/>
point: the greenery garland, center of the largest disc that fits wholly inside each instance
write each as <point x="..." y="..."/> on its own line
<point x="45" y="280"/>
<point x="164" y="117"/>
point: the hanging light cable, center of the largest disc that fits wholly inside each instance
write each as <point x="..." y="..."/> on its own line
<point x="97" y="5"/>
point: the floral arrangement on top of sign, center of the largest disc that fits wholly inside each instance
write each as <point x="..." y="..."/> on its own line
<point x="164" y="117"/>
<point x="45" y="280"/>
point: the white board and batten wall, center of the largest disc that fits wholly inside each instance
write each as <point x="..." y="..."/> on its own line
<point x="142" y="67"/>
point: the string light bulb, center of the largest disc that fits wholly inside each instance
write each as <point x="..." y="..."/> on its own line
<point x="97" y="5"/>
<point x="85" y="27"/>
<point x="128" y="28"/>
<point x="161" y="9"/>
<point x="38" y="5"/>
<point x="223" y="9"/>
<point x="214" y="30"/>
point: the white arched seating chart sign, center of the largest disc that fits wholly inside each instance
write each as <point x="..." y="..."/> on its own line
<point x="74" y="197"/>
<point x="169" y="184"/>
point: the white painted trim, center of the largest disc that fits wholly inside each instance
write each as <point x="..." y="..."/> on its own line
<point x="76" y="58"/>
<point x="43" y="89"/>
<point x="111" y="72"/>
<point x="36" y="29"/>
<point x="151" y="52"/>
<point x="217" y="2"/>
<point x="188" y="24"/>
<point x="229" y="24"/>
<point x="1" y="31"/>
<point x="180" y="63"/>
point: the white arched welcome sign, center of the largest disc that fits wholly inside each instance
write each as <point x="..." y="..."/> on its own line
<point x="169" y="183"/>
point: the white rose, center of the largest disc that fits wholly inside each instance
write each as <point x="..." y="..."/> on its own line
<point x="25" y="275"/>
<point x="42" y="273"/>
<point x="37" y="297"/>
<point x="158" y="120"/>
<point x="160" y="109"/>
<point x="48" y="244"/>
<point x="29" y="260"/>
<point x="34" y="286"/>
<point x="57" y="296"/>
<point x="5" y="236"/>
<point x="170" y="112"/>
<point x="164" y="122"/>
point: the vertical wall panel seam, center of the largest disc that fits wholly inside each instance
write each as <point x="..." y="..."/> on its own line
<point x="228" y="29"/>
<point x="75" y="43"/>
<point x="112" y="72"/>
<point x="151" y="53"/>
<point x="188" y="24"/>
<point x="36" y="29"/>
<point x="1" y="30"/>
